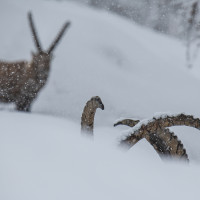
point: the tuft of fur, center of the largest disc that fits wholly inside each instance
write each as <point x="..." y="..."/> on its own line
<point x="21" y="81"/>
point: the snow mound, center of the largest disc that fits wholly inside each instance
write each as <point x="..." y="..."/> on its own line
<point x="46" y="158"/>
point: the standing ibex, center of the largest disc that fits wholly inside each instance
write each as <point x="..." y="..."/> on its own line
<point x="20" y="82"/>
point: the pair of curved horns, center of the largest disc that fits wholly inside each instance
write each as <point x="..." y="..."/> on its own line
<point x="164" y="141"/>
<point x="36" y="39"/>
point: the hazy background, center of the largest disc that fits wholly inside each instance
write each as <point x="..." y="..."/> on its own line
<point x="167" y="16"/>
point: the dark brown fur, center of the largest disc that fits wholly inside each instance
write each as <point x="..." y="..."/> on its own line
<point x="21" y="81"/>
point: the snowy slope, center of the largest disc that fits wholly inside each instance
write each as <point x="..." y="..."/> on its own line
<point x="45" y="158"/>
<point x="135" y="71"/>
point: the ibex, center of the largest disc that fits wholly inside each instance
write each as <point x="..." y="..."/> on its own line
<point x="164" y="141"/>
<point x="87" y="119"/>
<point x="20" y="82"/>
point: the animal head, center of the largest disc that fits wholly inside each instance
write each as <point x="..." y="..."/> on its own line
<point x="42" y="58"/>
<point x="96" y="102"/>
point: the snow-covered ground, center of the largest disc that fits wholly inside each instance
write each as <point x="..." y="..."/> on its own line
<point x="135" y="71"/>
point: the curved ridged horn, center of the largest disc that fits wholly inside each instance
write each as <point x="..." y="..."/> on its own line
<point x="87" y="119"/>
<point x="127" y="122"/>
<point x="157" y="124"/>
<point x="164" y="141"/>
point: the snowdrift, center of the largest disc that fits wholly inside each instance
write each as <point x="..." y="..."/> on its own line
<point x="46" y="158"/>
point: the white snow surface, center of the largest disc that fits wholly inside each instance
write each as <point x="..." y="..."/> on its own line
<point x="46" y="158"/>
<point x="135" y="71"/>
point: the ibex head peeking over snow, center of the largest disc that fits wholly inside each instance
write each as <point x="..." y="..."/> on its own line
<point x="21" y="81"/>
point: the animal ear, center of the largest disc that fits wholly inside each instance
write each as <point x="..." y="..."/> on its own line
<point x="58" y="37"/>
<point x="34" y="32"/>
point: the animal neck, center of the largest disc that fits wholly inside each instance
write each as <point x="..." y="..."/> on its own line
<point x="41" y="71"/>
<point x="87" y="119"/>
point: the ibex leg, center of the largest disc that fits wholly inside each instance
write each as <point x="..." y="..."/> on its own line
<point x="24" y="105"/>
